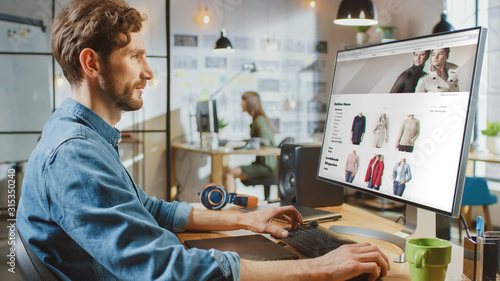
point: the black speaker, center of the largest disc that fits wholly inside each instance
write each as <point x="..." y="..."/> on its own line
<point x="297" y="177"/>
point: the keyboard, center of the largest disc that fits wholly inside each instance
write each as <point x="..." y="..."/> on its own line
<point x="314" y="240"/>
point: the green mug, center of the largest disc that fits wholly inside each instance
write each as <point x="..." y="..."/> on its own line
<point x="428" y="258"/>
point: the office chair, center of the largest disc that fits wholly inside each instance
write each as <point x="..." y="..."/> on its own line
<point x="30" y="266"/>
<point x="266" y="182"/>
<point x="477" y="193"/>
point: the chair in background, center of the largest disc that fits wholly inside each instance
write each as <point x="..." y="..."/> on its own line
<point x="30" y="266"/>
<point x="477" y="193"/>
<point x="266" y="182"/>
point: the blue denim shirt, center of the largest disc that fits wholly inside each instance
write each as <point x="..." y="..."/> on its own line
<point x="85" y="218"/>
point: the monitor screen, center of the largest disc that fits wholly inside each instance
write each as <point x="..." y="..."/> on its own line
<point x="399" y="118"/>
<point x="202" y="120"/>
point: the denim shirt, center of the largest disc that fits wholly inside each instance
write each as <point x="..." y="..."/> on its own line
<point x="85" y="218"/>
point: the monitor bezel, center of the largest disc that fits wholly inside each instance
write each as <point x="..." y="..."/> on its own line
<point x="466" y="139"/>
<point x="202" y="113"/>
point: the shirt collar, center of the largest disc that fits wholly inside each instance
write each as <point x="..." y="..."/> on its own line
<point x="91" y="119"/>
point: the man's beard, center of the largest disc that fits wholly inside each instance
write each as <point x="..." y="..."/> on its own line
<point x="121" y="92"/>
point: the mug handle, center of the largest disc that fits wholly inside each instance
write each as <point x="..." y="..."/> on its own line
<point x="420" y="258"/>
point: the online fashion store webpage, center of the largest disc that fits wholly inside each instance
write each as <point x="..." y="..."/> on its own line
<point x="396" y="118"/>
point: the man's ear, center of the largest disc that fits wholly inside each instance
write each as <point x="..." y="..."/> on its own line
<point x="90" y="62"/>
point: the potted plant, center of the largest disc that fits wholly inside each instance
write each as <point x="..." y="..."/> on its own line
<point x="361" y="35"/>
<point x="222" y="124"/>
<point x="493" y="139"/>
<point x="386" y="31"/>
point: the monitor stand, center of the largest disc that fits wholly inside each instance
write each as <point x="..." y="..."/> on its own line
<point x="419" y="223"/>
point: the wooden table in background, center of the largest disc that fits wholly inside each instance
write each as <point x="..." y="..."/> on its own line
<point x="482" y="157"/>
<point x="352" y="216"/>
<point x="220" y="158"/>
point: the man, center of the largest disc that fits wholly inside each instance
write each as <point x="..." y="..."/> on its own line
<point x="80" y="211"/>
<point x="408" y="79"/>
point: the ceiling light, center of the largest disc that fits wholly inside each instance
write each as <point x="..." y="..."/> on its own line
<point x="223" y="45"/>
<point x="356" y="13"/>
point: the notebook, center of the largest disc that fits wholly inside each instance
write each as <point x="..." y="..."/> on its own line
<point x="308" y="214"/>
<point x="251" y="247"/>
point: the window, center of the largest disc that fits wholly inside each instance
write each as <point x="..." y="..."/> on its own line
<point x="486" y="13"/>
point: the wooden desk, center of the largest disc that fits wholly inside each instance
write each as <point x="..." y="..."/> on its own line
<point x="220" y="158"/>
<point x="483" y="157"/>
<point x="352" y="216"/>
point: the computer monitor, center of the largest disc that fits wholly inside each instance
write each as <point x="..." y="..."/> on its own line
<point x="202" y="120"/>
<point x="396" y="129"/>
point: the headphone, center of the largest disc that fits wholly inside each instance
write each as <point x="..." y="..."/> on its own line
<point x="214" y="197"/>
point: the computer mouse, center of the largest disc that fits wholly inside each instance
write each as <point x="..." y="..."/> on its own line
<point x="363" y="277"/>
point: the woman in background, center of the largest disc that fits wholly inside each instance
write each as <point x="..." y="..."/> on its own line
<point x="264" y="166"/>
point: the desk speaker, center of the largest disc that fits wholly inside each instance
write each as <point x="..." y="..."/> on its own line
<point x="297" y="177"/>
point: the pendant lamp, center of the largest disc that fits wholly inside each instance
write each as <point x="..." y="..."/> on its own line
<point x="443" y="25"/>
<point x="223" y="45"/>
<point x="356" y="13"/>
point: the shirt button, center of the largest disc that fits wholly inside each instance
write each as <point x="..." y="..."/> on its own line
<point x="119" y="140"/>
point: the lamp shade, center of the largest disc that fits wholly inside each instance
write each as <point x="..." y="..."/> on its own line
<point x="356" y="13"/>
<point x="223" y="45"/>
<point x="443" y="25"/>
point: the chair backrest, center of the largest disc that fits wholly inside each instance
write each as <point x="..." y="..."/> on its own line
<point x="476" y="192"/>
<point x="30" y="266"/>
<point x="285" y="140"/>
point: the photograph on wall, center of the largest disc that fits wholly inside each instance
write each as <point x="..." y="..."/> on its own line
<point x="268" y="85"/>
<point x="320" y="46"/>
<point x="268" y="66"/>
<point x="294" y="46"/>
<point x="270" y="45"/>
<point x="185" y="62"/>
<point x="181" y="40"/>
<point x="243" y="43"/>
<point x="216" y="62"/>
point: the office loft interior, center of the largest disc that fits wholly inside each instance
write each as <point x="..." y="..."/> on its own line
<point x="285" y="50"/>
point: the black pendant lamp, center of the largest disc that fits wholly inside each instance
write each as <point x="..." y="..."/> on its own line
<point x="223" y="45"/>
<point x="356" y="13"/>
<point x="443" y="25"/>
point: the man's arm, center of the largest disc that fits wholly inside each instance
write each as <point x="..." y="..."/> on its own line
<point x="343" y="263"/>
<point x="259" y="222"/>
<point x="399" y="85"/>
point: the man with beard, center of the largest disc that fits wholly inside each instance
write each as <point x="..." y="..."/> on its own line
<point x="408" y="79"/>
<point x="80" y="211"/>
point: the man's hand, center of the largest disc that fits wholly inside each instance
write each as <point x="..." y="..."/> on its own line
<point x="261" y="221"/>
<point x="346" y="262"/>
<point x="351" y="260"/>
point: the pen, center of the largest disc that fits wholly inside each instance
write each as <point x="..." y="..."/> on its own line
<point x="480" y="226"/>
<point x="465" y="226"/>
